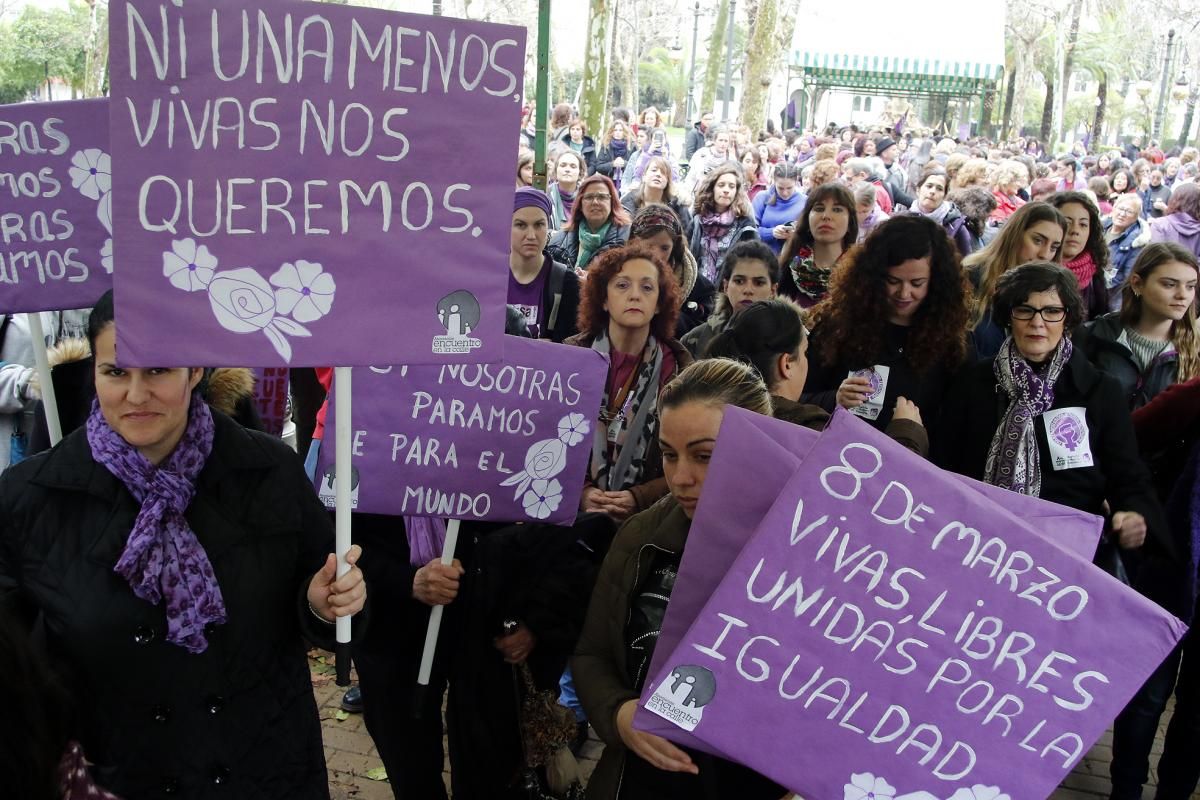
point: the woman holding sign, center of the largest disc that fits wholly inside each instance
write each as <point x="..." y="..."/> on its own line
<point x="631" y="597"/>
<point x="1039" y="419"/>
<point x="177" y="563"/>
<point x="894" y="324"/>
<point x="628" y="310"/>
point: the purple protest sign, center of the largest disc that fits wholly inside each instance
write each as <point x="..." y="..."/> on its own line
<point x="271" y="397"/>
<point x="508" y="442"/>
<point x="56" y="207"/>
<point x="933" y="645"/>
<point x="753" y="461"/>
<point x="310" y="184"/>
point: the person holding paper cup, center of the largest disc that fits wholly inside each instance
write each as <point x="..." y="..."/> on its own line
<point x="769" y="336"/>
<point x="628" y="310"/>
<point x="894" y="325"/>
<point x="177" y="563"/>
<point x="631" y="597"/>
<point x="1039" y="419"/>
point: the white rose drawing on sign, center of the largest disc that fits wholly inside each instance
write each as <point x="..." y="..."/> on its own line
<point x="865" y="786"/>
<point x="543" y="461"/>
<point x="189" y="266"/>
<point x="542" y="499"/>
<point x="91" y="173"/>
<point x="244" y="302"/>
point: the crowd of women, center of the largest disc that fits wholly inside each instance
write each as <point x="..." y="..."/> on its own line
<point x="170" y="564"/>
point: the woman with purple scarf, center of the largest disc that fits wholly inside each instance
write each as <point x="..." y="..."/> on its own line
<point x="177" y="563"/>
<point x="1040" y="420"/>
<point x="721" y="217"/>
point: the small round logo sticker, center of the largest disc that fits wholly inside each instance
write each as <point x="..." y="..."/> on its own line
<point x="1068" y="431"/>
<point x="873" y="378"/>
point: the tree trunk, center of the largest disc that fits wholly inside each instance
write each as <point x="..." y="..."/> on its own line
<point x="1010" y="91"/>
<point x="1064" y="77"/>
<point x="712" y="64"/>
<point x="593" y="98"/>
<point x="1188" y="114"/>
<point x="1101" y="109"/>
<point x="1048" y="116"/>
<point x="760" y="58"/>
<point x="989" y="108"/>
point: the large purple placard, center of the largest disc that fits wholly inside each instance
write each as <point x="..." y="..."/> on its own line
<point x="308" y="184"/>
<point x="933" y="647"/>
<point x="507" y="442"/>
<point x="55" y="205"/>
<point x="753" y="461"/>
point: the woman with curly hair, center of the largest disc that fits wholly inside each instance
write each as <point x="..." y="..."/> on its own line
<point x="721" y="217"/>
<point x="1084" y="250"/>
<point x="627" y="312"/>
<point x="825" y="229"/>
<point x="658" y="227"/>
<point x="894" y="324"/>
<point x="1035" y="232"/>
<point x="769" y="335"/>
<point x="597" y="223"/>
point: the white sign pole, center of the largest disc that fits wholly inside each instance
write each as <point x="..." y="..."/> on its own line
<point x="49" y="400"/>
<point x="435" y="614"/>
<point x="342" y="480"/>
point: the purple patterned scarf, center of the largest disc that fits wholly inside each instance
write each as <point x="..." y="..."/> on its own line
<point x="162" y="556"/>
<point x="1012" y="461"/>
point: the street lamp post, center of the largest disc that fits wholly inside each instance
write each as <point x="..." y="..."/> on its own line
<point x="728" y="61"/>
<point x="1156" y="128"/>
<point x="692" y="71"/>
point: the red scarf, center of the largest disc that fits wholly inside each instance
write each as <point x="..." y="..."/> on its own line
<point x="1083" y="267"/>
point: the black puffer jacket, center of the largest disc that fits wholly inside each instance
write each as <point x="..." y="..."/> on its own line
<point x="1098" y="340"/>
<point x="238" y="720"/>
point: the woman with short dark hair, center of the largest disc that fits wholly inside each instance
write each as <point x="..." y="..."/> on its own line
<point x="749" y="273"/>
<point x="1040" y="420"/>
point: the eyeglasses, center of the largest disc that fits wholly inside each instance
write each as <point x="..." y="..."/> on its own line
<point x="596" y="198"/>
<point x="1049" y="313"/>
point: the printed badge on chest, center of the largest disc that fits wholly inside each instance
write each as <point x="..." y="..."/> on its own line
<point x="1067" y="435"/>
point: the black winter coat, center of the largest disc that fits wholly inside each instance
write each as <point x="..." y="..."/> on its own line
<point x="1098" y="341"/>
<point x="238" y="720"/>
<point x="974" y="407"/>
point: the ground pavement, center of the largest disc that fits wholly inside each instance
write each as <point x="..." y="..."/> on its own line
<point x="356" y="773"/>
